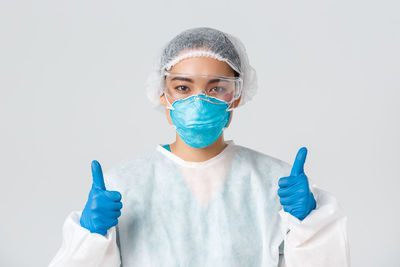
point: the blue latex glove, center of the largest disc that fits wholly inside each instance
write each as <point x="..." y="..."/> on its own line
<point x="103" y="207"/>
<point x="294" y="192"/>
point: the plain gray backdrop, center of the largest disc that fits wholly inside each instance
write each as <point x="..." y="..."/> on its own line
<point x="72" y="90"/>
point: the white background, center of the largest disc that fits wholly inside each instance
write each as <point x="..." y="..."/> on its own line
<point x="72" y="77"/>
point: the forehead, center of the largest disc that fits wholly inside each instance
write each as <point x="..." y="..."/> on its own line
<point x="203" y="66"/>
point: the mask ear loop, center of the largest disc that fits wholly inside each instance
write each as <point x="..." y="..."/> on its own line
<point x="165" y="92"/>
<point x="230" y="108"/>
<point x="170" y="105"/>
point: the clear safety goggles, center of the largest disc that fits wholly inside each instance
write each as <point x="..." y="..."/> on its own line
<point x="178" y="86"/>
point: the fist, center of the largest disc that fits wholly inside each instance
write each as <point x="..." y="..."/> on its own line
<point x="103" y="207"/>
<point x="294" y="192"/>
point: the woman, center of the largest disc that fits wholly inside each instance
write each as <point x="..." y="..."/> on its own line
<point x="204" y="201"/>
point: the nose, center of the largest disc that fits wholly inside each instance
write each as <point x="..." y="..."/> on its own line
<point x="200" y="95"/>
<point x="200" y="91"/>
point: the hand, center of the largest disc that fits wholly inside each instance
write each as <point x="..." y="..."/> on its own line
<point x="294" y="192"/>
<point x="103" y="207"/>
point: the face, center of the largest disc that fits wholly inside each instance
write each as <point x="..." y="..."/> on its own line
<point x="201" y="66"/>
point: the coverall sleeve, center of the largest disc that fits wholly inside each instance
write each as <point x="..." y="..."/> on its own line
<point x="320" y="239"/>
<point x="80" y="248"/>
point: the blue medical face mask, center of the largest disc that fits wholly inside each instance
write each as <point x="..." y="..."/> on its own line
<point x="200" y="119"/>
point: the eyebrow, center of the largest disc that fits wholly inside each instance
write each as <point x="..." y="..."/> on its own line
<point x="191" y="81"/>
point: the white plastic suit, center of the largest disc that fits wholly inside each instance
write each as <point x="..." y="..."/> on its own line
<point x="221" y="212"/>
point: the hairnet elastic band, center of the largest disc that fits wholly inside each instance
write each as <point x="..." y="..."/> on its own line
<point x="198" y="53"/>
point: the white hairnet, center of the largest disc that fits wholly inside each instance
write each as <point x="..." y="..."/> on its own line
<point x="217" y="44"/>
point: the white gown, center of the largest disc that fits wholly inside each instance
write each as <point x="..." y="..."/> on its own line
<point x="221" y="212"/>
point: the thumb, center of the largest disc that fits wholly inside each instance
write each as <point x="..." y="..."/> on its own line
<point x="298" y="166"/>
<point x="97" y="173"/>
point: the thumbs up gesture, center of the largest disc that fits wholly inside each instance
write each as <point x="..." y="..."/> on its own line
<point x="294" y="192"/>
<point x="103" y="207"/>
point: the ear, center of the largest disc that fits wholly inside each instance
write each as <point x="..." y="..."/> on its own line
<point x="162" y="100"/>
<point x="167" y="111"/>
<point x="236" y="102"/>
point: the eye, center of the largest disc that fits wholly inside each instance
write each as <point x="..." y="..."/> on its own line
<point x="218" y="89"/>
<point x="182" y="88"/>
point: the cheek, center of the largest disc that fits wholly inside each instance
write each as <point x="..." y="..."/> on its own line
<point x="228" y="97"/>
